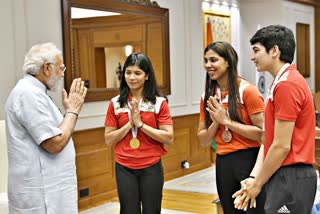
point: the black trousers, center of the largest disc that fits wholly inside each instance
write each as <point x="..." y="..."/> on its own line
<point x="291" y="189"/>
<point x="141" y="188"/>
<point x="231" y="169"/>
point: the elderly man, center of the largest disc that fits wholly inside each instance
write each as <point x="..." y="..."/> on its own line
<point x="41" y="156"/>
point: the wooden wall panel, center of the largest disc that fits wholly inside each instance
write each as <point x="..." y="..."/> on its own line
<point x="177" y="153"/>
<point x="154" y="49"/>
<point x="86" y="55"/>
<point x="317" y="152"/>
<point x="95" y="168"/>
<point x="95" y="160"/>
<point x="100" y="67"/>
<point x="198" y="157"/>
<point x="101" y="189"/>
<point x="303" y="48"/>
<point x="93" y="163"/>
<point x="118" y="35"/>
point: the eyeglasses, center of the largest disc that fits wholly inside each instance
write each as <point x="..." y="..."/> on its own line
<point x="63" y="68"/>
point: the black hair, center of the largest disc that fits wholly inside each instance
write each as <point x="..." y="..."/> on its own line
<point x="226" y="51"/>
<point x="151" y="89"/>
<point x="278" y="35"/>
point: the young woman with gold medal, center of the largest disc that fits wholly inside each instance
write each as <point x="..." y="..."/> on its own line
<point x="138" y="124"/>
<point x="231" y="113"/>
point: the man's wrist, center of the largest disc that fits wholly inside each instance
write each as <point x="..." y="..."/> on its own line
<point x="71" y="112"/>
<point x="140" y="127"/>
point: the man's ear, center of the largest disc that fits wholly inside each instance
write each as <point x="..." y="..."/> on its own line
<point x="275" y="51"/>
<point x="46" y="69"/>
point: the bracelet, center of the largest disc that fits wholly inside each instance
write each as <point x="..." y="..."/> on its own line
<point x="140" y="127"/>
<point x="70" y="112"/>
<point x="251" y="176"/>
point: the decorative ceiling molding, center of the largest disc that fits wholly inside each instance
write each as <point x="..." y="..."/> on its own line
<point x="141" y="2"/>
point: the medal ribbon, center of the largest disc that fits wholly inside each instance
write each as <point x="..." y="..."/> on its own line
<point x="134" y="129"/>
<point x="226" y="129"/>
<point x="225" y="100"/>
<point x="276" y="81"/>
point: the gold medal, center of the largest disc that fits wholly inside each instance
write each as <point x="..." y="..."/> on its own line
<point x="226" y="135"/>
<point x="134" y="143"/>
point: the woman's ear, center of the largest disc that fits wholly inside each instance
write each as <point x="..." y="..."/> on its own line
<point x="227" y="64"/>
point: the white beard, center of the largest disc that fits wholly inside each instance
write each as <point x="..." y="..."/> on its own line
<point x="55" y="84"/>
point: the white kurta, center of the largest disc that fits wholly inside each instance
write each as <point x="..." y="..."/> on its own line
<point x="38" y="182"/>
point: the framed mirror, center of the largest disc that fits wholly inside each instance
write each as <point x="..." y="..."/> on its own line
<point x="98" y="35"/>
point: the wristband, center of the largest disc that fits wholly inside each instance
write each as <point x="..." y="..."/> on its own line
<point x="251" y="176"/>
<point x="140" y="127"/>
<point x="70" y="112"/>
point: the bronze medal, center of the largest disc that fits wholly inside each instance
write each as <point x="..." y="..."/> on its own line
<point x="134" y="143"/>
<point x="226" y="135"/>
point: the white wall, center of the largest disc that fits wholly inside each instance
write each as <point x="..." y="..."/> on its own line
<point x="7" y="55"/>
<point x="23" y="24"/>
<point x="253" y="15"/>
<point x="256" y="13"/>
<point x="185" y="19"/>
